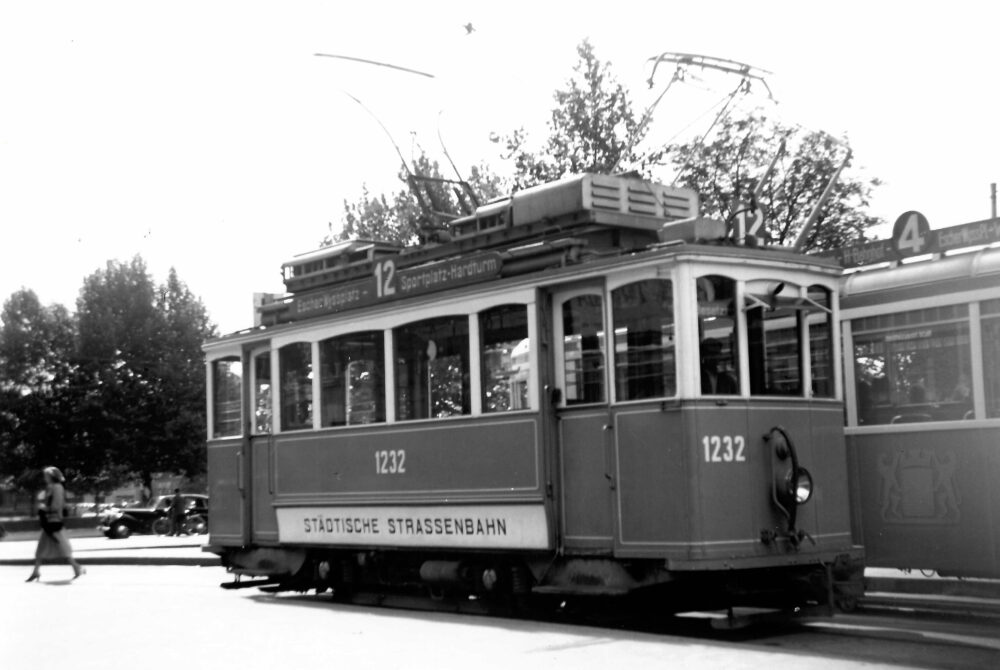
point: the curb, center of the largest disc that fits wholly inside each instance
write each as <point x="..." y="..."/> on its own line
<point x="206" y="562"/>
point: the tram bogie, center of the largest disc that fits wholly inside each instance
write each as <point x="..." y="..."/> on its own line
<point x="588" y="392"/>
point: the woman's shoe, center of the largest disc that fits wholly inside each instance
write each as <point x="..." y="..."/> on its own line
<point x="79" y="572"/>
<point x="33" y="578"/>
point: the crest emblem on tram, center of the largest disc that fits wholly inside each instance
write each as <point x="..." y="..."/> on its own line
<point x="918" y="486"/>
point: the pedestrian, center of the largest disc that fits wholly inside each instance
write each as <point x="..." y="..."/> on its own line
<point x="177" y="513"/>
<point x="52" y="543"/>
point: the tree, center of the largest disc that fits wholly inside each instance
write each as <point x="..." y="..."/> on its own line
<point x="592" y="128"/>
<point x="726" y="171"/>
<point x="421" y="210"/>
<point x="36" y="378"/>
<point x="140" y="348"/>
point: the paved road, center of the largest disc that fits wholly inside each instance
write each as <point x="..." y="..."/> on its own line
<point x="177" y="618"/>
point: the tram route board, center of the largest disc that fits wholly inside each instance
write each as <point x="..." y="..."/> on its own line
<point x="912" y="237"/>
<point x="387" y="282"/>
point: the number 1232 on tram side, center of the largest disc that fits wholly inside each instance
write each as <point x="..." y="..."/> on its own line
<point x="587" y="390"/>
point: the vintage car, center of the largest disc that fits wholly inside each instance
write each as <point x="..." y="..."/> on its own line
<point x="117" y="523"/>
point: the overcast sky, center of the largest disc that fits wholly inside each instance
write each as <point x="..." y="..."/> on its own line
<point x="207" y="136"/>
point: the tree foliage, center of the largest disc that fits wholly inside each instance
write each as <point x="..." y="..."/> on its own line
<point x="592" y="128"/>
<point x="726" y="170"/>
<point x="419" y="211"/>
<point x="114" y="392"/>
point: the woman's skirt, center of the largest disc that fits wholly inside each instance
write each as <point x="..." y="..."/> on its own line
<point x="53" y="546"/>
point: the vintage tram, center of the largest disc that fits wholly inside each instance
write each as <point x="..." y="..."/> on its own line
<point x="587" y="390"/>
<point x="921" y="338"/>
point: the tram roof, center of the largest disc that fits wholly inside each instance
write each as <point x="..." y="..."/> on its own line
<point x="928" y="276"/>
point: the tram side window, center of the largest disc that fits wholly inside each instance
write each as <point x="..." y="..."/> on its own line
<point x="352" y="387"/>
<point x="432" y="368"/>
<point x="717" y="334"/>
<point x="506" y="358"/>
<point x="262" y="392"/>
<point x="227" y="388"/>
<point x="643" y="315"/>
<point x="295" y="365"/>
<point x="913" y="366"/>
<point x="990" y="321"/>
<point x="583" y="349"/>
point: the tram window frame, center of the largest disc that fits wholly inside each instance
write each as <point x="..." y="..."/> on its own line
<point x="989" y="323"/>
<point x="908" y="365"/>
<point x="645" y="339"/>
<point x="295" y="388"/>
<point x="718" y="335"/>
<point x="227" y="397"/>
<point x="343" y="388"/>
<point x="420" y="348"/>
<point x="505" y="355"/>
<point x="820" y="325"/>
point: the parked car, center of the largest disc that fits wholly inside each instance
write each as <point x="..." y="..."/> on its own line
<point x="117" y="523"/>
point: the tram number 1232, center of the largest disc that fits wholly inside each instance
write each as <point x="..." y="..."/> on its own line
<point x="724" y="448"/>
<point x="390" y="462"/>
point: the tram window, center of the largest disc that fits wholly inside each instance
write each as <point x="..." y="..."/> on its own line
<point x="295" y="364"/>
<point x="432" y="368"/>
<point x="774" y="313"/>
<point x="990" y="316"/>
<point x="506" y="358"/>
<point x="644" y="340"/>
<point x="262" y="392"/>
<point x="352" y="389"/>
<point x="913" y="366"/>
<point x="821" y="357"/>
<point x="583" y="349"/>
<point x="227" y="389"/>
<point x="717" y="334"/>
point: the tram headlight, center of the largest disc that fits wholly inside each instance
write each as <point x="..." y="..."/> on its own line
<point x="800" y="486"/>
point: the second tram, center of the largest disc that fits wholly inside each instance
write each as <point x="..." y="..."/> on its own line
<point x="922" y="341"/>
<point x="586" y="391"/>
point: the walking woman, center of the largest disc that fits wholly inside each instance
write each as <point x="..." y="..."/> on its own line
<point x="52" y="543"/>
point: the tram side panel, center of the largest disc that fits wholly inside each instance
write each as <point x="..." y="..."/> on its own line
<point x="928" y="499"/>
<point x="463" y="483"/>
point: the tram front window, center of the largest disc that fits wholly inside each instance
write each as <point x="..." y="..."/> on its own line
<point x="717" y="332"/>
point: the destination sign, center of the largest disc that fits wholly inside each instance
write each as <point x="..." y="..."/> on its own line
<point x="389" y="283"/>
<point x="911" y="237"/>
<point x="461" y="526"/>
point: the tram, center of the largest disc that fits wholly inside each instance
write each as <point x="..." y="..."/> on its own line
<point x="587" y="390"/>
<point x="922" y="346"/>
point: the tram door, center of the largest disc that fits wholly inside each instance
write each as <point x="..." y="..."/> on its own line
<point x="263" y="523"/>
<point x="583" y="416"/>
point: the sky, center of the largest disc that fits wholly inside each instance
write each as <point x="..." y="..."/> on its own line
<point x="208" y="136"/>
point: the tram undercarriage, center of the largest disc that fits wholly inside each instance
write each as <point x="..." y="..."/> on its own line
<point x="514" y="582"/>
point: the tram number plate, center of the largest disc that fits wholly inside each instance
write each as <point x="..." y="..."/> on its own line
<point x="390" y="462"/>
<point x="724" y="448"/>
